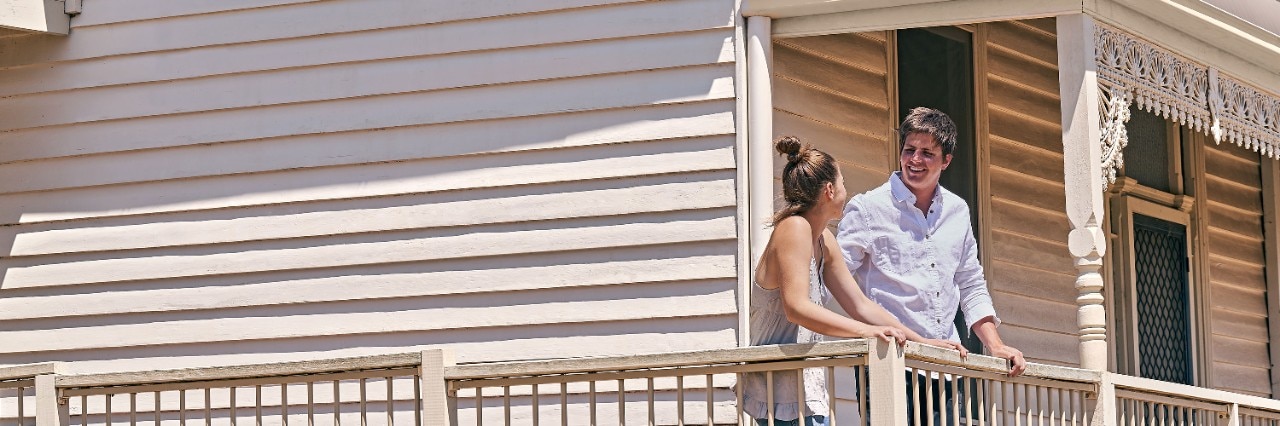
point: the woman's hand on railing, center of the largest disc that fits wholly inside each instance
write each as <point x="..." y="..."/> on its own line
<point x="885" y="333"/>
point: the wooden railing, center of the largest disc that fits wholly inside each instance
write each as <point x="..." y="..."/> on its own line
<point x="868" y="386"/>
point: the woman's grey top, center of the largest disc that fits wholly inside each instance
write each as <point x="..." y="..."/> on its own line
<point x="769" y="326"/>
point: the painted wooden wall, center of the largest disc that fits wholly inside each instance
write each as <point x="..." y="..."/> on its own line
<point x="209" y="181"/>
<point x="1237" y="286"/>
<point x="832" y="92"/>
<point x="1030" y="272"/>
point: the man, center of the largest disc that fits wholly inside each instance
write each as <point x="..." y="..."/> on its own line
<point x="910" y="244"/>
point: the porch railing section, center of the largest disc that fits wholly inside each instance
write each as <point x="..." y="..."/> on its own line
<point x="871" y="383"/>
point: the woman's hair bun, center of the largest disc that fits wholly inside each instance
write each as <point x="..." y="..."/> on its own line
<point x="788" y="146"/>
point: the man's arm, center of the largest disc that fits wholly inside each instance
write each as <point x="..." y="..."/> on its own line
<point x="986" y="330"/>
<point x="979" y="311"/>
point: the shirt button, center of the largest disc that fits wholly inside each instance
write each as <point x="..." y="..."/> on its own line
<point x="938" y="294"/>
<point x="933" y="265"/>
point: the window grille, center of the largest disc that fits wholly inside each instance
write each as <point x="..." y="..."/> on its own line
<point x="1163" y="302"/>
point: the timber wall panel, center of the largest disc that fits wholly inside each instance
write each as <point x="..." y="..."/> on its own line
<point x="1030" y="274"/>
<point x="207" y="182"/>
<point x="1236" y="284"/>
<point x="832" y="92"/>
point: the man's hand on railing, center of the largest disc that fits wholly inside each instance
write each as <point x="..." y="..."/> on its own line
<point x="964" y="353"/>
<point x="1017" y="363"/>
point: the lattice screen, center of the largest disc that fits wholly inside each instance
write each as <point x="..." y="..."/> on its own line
<point x="1164" y="320"/>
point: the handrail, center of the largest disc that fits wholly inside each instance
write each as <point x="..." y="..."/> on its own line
<point x="28" y="371"/>
<point x="750" y="354"/>
<point x="1184" y="391"/>
<point x="292" y="368"/>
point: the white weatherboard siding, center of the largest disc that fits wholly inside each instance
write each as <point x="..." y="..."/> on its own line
<point x="235" y="181"/>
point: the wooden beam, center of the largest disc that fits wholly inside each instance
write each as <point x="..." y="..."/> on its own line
<point x="921" y="15"/>
<point x="885" y="364"/>
<point x="42" y="16"/>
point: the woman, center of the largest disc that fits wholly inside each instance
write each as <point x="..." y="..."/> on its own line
<point x="800" y="269"/>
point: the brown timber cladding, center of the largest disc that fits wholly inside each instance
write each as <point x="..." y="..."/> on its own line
<point x="1030" y="271"/>
<point x="210" y="182"/>
<point x="1236" y="281"/>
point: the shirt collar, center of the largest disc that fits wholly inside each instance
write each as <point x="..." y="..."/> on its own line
<point x="903" y="194"/>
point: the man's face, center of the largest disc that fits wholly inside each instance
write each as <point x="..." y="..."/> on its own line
<point x="922" y="162"/>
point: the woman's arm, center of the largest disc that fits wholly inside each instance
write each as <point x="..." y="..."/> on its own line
<point x="786" y="262"/>
<point x="850" y="297"/>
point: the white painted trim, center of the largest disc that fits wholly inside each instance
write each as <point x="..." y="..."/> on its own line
<point x="1185" y="391"/>
<point x="41" y="16"/>
<point x="1077" y="77"/>
<point x="743" y="176"/>
<point x="760" y="131"/>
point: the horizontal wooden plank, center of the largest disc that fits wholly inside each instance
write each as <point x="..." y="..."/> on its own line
<point x="1021" y="188"/>
<point x="421" y="211"/>
<point x="1234" y="150"/>
<point x="1235" y="273"/>
<point x="118" y="11"/>
<point x="1021" y="249"/>
<point x="846" y="146"/>
<point x="1061" y="349"/>
<point x="1235" y="247"/>
<point x="438" y="313"/>
<point x="1238" y="351"/>
<point x="1218" y="162"/>
<point x="242" y="371"/>
<point x="1010" y="36"/>
<point x="1009" y="125"/>
<point x="1035" y="312"/>
<point x="394" y="144"/>
<point x="856" y="49"/>
<point x="1033" y="104"/>
<point x="1010" y="66"/>
<point x="379" y="248"/>
<point x="820" y="71"/>
<point x="383" y="43"/>
<point x="1243" y="224"/>
<point x="1226" y="322"/>
<point x="1016" y="217"/>
<point x="1234" y="195"/>
<point x="353" y="80"/>
<point x="828" y="107"/>
<point x="670" y="86"/>
<point x="620" y="265"/>
<point x="1243" y="379"/>
<point x="1026" y="159"/>
<point x="1044" y="25"/>
<point x="409" y="177"/>
<point x="315" y="18"/>
<point x="1238" y="299"/>
<point x="1009" y="277"/>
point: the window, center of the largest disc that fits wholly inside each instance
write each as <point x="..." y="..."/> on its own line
<point x="1152" y="223"/>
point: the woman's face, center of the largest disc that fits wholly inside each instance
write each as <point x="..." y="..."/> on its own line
<point x="841" y="195"/>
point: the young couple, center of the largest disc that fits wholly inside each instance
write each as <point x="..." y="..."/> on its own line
<point x="908" y="243"/>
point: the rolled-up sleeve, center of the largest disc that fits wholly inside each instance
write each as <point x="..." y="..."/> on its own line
<point x="975" y="300"/>
<point x="851" y="236"/>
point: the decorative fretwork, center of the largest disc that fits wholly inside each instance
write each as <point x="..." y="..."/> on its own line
<point x="1160" y="82"/>
<point x="1245" y="115"/>
<point x="1131" y="70"/>
<point x="1114" y="105"/>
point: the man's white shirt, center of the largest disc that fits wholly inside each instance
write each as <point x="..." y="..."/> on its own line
<point x="919" y="267"/>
